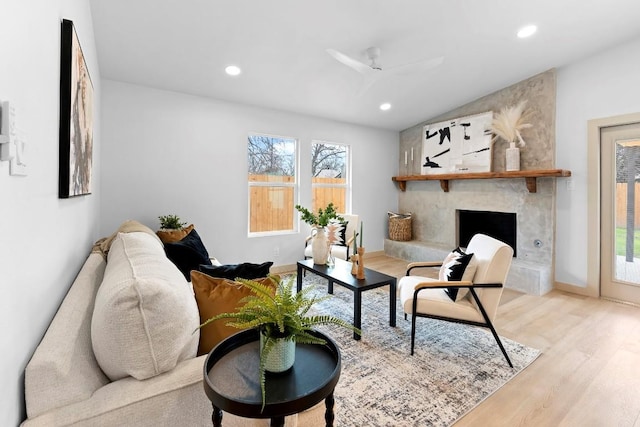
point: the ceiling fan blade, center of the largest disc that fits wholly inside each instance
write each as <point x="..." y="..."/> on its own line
<point x="350" y="62"/>
<point x="413" y="67"/>
<point x="367" y="82"/>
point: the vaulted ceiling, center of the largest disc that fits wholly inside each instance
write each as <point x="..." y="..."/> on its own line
<point x="281" y="47"/>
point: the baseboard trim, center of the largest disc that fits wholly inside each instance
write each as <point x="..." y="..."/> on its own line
<point x="579" y="290"/>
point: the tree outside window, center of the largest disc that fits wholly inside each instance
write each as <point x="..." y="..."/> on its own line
<point x="329" y="171"/>
<point x="272" y="183"/>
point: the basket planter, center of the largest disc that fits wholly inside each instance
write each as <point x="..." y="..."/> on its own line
<point x="400" y="227"/>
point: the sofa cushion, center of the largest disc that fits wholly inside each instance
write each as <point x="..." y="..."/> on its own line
<point x="216" y="295"/>
<point x="170" y="236"/>
<point x="187" y="254"/>
<point x="145" y="313"/>
<point x="245" y="270"/>
<point x="129" y="226"/>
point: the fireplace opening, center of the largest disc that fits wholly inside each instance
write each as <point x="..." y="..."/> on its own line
<point x="499" y="225"/>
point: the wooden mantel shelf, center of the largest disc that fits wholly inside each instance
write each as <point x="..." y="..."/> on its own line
<point x="529" y="176"/>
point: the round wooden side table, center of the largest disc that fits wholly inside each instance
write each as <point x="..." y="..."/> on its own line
<point x="232" y="383"/>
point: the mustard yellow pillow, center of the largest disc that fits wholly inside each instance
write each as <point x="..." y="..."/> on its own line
<point x="216" y="295"/>
<point x="171" y="236"/>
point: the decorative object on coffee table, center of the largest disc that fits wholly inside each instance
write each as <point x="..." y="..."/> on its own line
<point x="508" y="125"/>
<point x="279" y="316"/>
<point x="318" y="221"/>
<point x="360" y="274"/>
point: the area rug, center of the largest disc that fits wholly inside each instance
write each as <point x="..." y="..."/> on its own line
<point x="453" y="369"/>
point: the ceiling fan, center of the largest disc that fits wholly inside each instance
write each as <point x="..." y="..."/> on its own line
<point x="373" y="72"/>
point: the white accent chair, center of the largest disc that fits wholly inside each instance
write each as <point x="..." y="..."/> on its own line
<point x="426" y="297"/>
<point x="339" y="251"/>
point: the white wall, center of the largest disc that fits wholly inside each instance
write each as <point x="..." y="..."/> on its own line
<point x="170" y="153"/>
<point x="43" y="240"/>
<point x="601" y="86"/>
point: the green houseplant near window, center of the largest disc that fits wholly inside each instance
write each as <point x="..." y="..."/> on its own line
<point x="281" y="315"/>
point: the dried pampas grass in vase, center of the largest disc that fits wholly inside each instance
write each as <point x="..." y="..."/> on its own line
<point x="507" y="125"/>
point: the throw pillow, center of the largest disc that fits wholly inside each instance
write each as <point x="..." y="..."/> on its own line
<point x="246" y="270"/>
<point x="457" y="266"/>
<point x="336" y="231"/>
<point x="216" y="295"/>
<point x="170" y="236"/>
<point x="144" y="313"/>
<point x="187" y="254"/>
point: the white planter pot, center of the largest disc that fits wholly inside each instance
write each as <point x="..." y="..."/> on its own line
<point x="320" y="246"/>
<point x="282" y="355"/>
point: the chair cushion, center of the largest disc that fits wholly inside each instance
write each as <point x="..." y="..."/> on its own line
<point x="188" y="254"/>
<point x="457" y="266"/>
<point x="145" y="313"/>
<point x="245" y="270"/>
<point x="435" y="301"/>
<point x="216" y="295"/>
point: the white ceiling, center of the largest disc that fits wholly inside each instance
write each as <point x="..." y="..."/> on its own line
<point x="184" y="46"/>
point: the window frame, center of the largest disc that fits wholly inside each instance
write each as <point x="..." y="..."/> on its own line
<point x="295" y="185"/>
<point x="348" y="171"/>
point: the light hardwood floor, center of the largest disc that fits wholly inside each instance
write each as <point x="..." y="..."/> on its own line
<point x="588" y="373"/>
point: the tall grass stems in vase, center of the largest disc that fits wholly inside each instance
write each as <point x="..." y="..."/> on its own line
<point x="509" y="123"/>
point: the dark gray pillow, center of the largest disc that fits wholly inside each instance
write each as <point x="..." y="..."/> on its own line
<point x="188" y="254"/>
<point x="246" y="270"/>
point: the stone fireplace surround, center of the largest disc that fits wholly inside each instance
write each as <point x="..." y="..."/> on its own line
<point x="434" y="224"/>
<point x="434" y="211"/>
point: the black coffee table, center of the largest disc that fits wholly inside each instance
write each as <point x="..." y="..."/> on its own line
<point x="232" y="381"/>
<point x="340" y="273"/>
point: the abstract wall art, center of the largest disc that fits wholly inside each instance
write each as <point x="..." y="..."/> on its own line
<point x="460" y="145"/>
<point x="76" y="117"/>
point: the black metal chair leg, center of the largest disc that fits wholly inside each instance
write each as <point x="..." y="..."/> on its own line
<point x="413" y="333"/>
<point x="497" y="337"/>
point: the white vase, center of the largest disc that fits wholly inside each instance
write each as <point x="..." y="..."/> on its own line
<point x="282" y="355"/>
<point x="320" y="246"/>
<point x="513" y="157"/>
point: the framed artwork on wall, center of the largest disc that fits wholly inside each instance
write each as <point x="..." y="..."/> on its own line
<point x="460" y="145"/>
<point x="76" y="117"/>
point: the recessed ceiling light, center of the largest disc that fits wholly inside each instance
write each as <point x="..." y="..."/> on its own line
<point x="233" y="70"/>
<point x="385" y="106"/>
<point x="527" y="31"/>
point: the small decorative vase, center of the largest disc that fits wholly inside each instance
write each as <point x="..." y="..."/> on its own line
<point x="513" y="157"/>
<point x="354" y="264"/>
<point x="320" y="246"/>
<point x="360" y="274"/>
<point x="282" y="354"/>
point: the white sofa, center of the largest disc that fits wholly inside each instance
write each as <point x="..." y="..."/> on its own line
<point x="64" y="384"/>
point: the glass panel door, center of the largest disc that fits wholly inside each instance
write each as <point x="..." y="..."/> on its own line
<point x="620" y="213"/>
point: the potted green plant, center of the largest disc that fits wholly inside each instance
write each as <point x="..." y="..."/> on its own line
<point x="281" y="315"/>
<point x="171" y="222"/>
<point x="320" y="243"/>
<point x="322" y="218"/>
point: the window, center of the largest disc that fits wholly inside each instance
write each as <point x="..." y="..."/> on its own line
<point x="272" y="184"/>
<point x="330" y="175"/>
